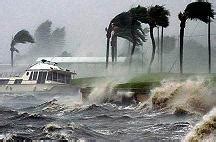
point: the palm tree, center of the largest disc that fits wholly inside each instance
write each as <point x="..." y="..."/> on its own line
<point x="125" y="26"/>
<point x="22" y="36"/>
<point x="157" y="16"/>
<point x="194" y="11"/>
<point x="153" y="16"/>
<point x="121" y="21"/>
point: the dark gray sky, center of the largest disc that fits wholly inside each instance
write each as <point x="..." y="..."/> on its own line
<point x="84" y="20"/>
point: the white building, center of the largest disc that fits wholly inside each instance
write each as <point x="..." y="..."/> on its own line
<point x="87" y="66"/>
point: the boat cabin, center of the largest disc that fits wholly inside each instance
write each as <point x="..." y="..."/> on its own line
<point x="43" y="72"/>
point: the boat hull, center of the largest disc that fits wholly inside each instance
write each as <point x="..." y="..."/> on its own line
<point x="38" y="88"/>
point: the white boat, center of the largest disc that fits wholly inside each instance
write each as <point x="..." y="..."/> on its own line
<point x="44" y="76"/>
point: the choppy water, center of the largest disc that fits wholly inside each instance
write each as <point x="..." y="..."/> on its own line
<point x="64" y="117"/>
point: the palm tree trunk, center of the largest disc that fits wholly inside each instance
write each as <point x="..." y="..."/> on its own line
<point x="116" y="54"/>
<point x="153" y="48"/>
<point x="12" y="62"/>
<point x="107" y="53"/>
<point x="182" y="25"/>
<point x="161" y="52"/>
<point x="209" y="45"/>
<point x="132" y="52"/>
<point x="113" y="52"/>
<point x="158" y="43"/>
<point x="133" y="47"/>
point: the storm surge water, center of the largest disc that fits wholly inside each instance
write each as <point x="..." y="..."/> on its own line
<point x="173" y="112"/>
<point x="205" y="129"/>
<point x="101" y="93"/>
<point x="183" y="97"/>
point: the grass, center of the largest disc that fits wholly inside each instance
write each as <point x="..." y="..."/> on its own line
<point x="137" y="85"/>
<point x="142" y="80"/>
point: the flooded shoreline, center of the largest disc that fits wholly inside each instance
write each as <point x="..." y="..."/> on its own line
<point x="65" y="117"/>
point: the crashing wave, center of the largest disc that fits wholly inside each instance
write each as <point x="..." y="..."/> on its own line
<point x="190" y="96"/>
<point x="204" y="130"/>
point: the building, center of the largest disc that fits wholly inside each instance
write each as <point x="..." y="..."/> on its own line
<point x="86" y="66"/>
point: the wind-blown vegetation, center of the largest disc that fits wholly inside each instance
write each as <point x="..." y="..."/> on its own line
<point x="124" y="25"/>
<point x="23" y="37"/>
<point x="195" y="11"/>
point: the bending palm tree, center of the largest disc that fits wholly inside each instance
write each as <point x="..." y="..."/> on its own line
<point x="194" y="11"/>
<point x="121" y="21"/>
<point x="22" y="36"/>
<point x="153" y="16"/>
<point x="157" y="16"/>
<point x="124" y="25"/>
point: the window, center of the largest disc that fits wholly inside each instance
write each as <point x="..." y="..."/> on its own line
<point x="4" y="81"/>
<point x="68" y="78"/>
<point x="30" y="77"/>
<point x="35" y="75"/>
<point x="18" y="81"/>
<point x="61" y="77"/>
<point x="54" y="76"/>
<point x="49" y="77"/>
<point x="41" y="77"/>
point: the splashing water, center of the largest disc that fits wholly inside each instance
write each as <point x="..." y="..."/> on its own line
<point x="101" y="92"/>
<point x="190" y="96"/>
<point x="204" y="130"/>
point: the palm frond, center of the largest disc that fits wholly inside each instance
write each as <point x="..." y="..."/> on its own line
<point x="199" y="10"/>
<point x="23" y="36"/>
<point x="158" y="15"/>
<point x="139" y="13"/>
<point x="122" y="20"/>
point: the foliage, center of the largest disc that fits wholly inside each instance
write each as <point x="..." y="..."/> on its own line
<point x="158" y="15"/>
<point x="124" y="25"/>
<point x="47" y="41"/>
<point x="22" y="36"/>
<point x="199" y="10"/>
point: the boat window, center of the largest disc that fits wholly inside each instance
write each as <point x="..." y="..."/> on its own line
<point x="18" y="81"/>
<point x="61" y="77"/>
<point x="35" y="75"/>
<point x="30" y="77"/>
<point x="41" y="77"/>
<point x="54" y="76"/>
<point x="4" y="81"/>
<point x="27" y="73"/>
<point x="49" y="77"/>
<point x="68" y="78"/>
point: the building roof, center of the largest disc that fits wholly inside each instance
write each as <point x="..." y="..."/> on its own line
<point x="44" y="66"/>
<point x="80" y="59"/>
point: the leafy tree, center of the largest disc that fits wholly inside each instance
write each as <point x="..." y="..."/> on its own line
<point x="194" y="11"/>
<point x="48" y="42"/>
<point x="153" y="16"/>
<point x="57" y="40"/>
<point x="42" y="37"/>
<point x="23" y="37"/>
<point x="126" y="26"/>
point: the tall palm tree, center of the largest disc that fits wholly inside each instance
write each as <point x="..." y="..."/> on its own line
<point x="157" y="16"/>
<point x="121" y="21"/>
<point x="194" y="11"/>
<point x="22" y="36"/>
<point x="153" y="16"/>
<point x="124" y="25"/>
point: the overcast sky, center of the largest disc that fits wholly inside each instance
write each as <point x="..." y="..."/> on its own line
<point x="84" y="20"/>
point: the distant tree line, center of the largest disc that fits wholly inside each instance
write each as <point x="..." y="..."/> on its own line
<point x="48" y="42"/>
